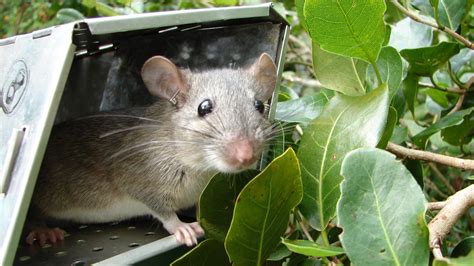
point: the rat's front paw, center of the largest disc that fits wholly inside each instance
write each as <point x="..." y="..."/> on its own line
<point x="43" y="235"/>
<point x="186" y="233"/>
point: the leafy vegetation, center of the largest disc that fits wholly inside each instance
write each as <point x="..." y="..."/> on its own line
<point x="363" y="80"/>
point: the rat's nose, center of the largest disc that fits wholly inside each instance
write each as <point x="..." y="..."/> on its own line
<point x="240" y="152"/>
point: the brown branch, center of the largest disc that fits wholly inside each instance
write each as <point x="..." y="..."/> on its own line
<point x="403" y="152"/>
<point x="447" y="30"/>
<point x="441" y="177"/>
<point x="456" y="206"/>
<point x="312" y="83"/>
<point x="438" y="205"/>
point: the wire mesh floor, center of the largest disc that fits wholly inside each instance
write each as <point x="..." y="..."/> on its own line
<point x="86" y="244"/>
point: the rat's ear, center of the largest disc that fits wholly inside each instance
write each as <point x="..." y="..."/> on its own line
<point x="266" y="73"/>
<point x="163" y="79"/>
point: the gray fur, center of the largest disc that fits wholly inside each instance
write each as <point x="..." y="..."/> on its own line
<point x="161" y="155"/>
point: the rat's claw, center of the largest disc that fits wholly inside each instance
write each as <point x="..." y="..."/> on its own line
<point x="185" y="233"/>
<point x="43" y="235"/>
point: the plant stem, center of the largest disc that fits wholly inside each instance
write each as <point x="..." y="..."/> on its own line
<point x="377" y="73"/>
<point x="303" y="226"/>
<point x="324" y="237"/>
<point x="449" y="31"/>
<point x="403" y="152"/>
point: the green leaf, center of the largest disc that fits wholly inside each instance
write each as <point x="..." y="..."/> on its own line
<point x="425" y="61"/>
<point x="410" y="90"/>
<point x="440" y="97"/>
<point x="460" y="134"/>
<point x="381" y="211"/>
<point x="340" y="73"/>
<point x="208" y="252"/>
<point x="66" y="15"/>
<point x="409" y="34"/>
<point x="225" y="2"/>
<point x="289" y="92"/>
<point x="279" y="253"/>
<point x="106" y="10"/>
<point x="302" y="110"/>
<point x="391" y="69"/>
<point x="400" y="134"/>
<point x="350" y="28"/>
<point x="463" y="61"/>
<point x="464" y="247"/>
<point x="309" y="248"/>
<point x="415" y="168"/>
<point x="89" y="3"/>
<point x="262" y="211"/>
<point x="392" y="119"/>
<point x="450" y="12"/>
<point x="454" y="119"/>
<point x="299" y="10"/>
<point x="347" y="123"/>
<point x="461" y="261"/>
<point x="217" y="201"/>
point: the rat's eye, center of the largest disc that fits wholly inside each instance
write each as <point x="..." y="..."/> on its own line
<point x="205" y="107"/>
<point x="259" y="106"/>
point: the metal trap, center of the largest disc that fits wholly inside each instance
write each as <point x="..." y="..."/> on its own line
<point x="77" y="69"/>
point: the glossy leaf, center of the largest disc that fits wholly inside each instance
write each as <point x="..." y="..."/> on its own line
<point x="440" y="97"/>
<point x="409" y="34"/>
<point x="461" y="261"/>
<point x="391" y="69"/>
<point x="382" y="211"/>
<point x="392" y="119"/>
<point x="280" y="252"/>
<point x="464" y="247"/>
<point x="454" y="119"/>
<point x="410" y="90"/>
<point x="449" y="12"/>
<point x="460" y="134"/>
<point x="347" y="123"/>
<point x="338" y="28"/>
<point x="262" y="211"/>
<point x="425" y="61"/>
<point x="309" y="248"/>
<point x="67" y="15"/>
<point x="301" y="110"/>
<point x="463" y="61"/>
<point x="299" y="10"/>
<point x="208" y="252"/>
<point x="339" y="73"/>
<point x="216" y="205"/>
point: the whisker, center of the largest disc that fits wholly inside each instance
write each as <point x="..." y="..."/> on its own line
<point x="127" y="129"/>
<point x="118" y="115"/>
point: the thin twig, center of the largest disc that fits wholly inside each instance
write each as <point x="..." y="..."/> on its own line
<point x="438" y="205"/>
<point x="299" y="63"/>
<point x="456" y="206"/>
<point x="429" y="184"/>
<point x="441" y="177"/>
<point x="458" y="105"/>
<point x="300" y="43"/>
<point x="300" y="219"/>
<point x="403" y="152"/>
<point x="447" y="30"/>
<point x="306" y="82"/>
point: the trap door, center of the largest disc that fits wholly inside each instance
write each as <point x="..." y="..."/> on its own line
<point x="33" y="71"/>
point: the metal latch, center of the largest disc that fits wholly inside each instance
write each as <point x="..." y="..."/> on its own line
<point x="12" y="152"/>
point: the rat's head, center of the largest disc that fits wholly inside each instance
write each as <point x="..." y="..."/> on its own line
<point x="220" y="116"/>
